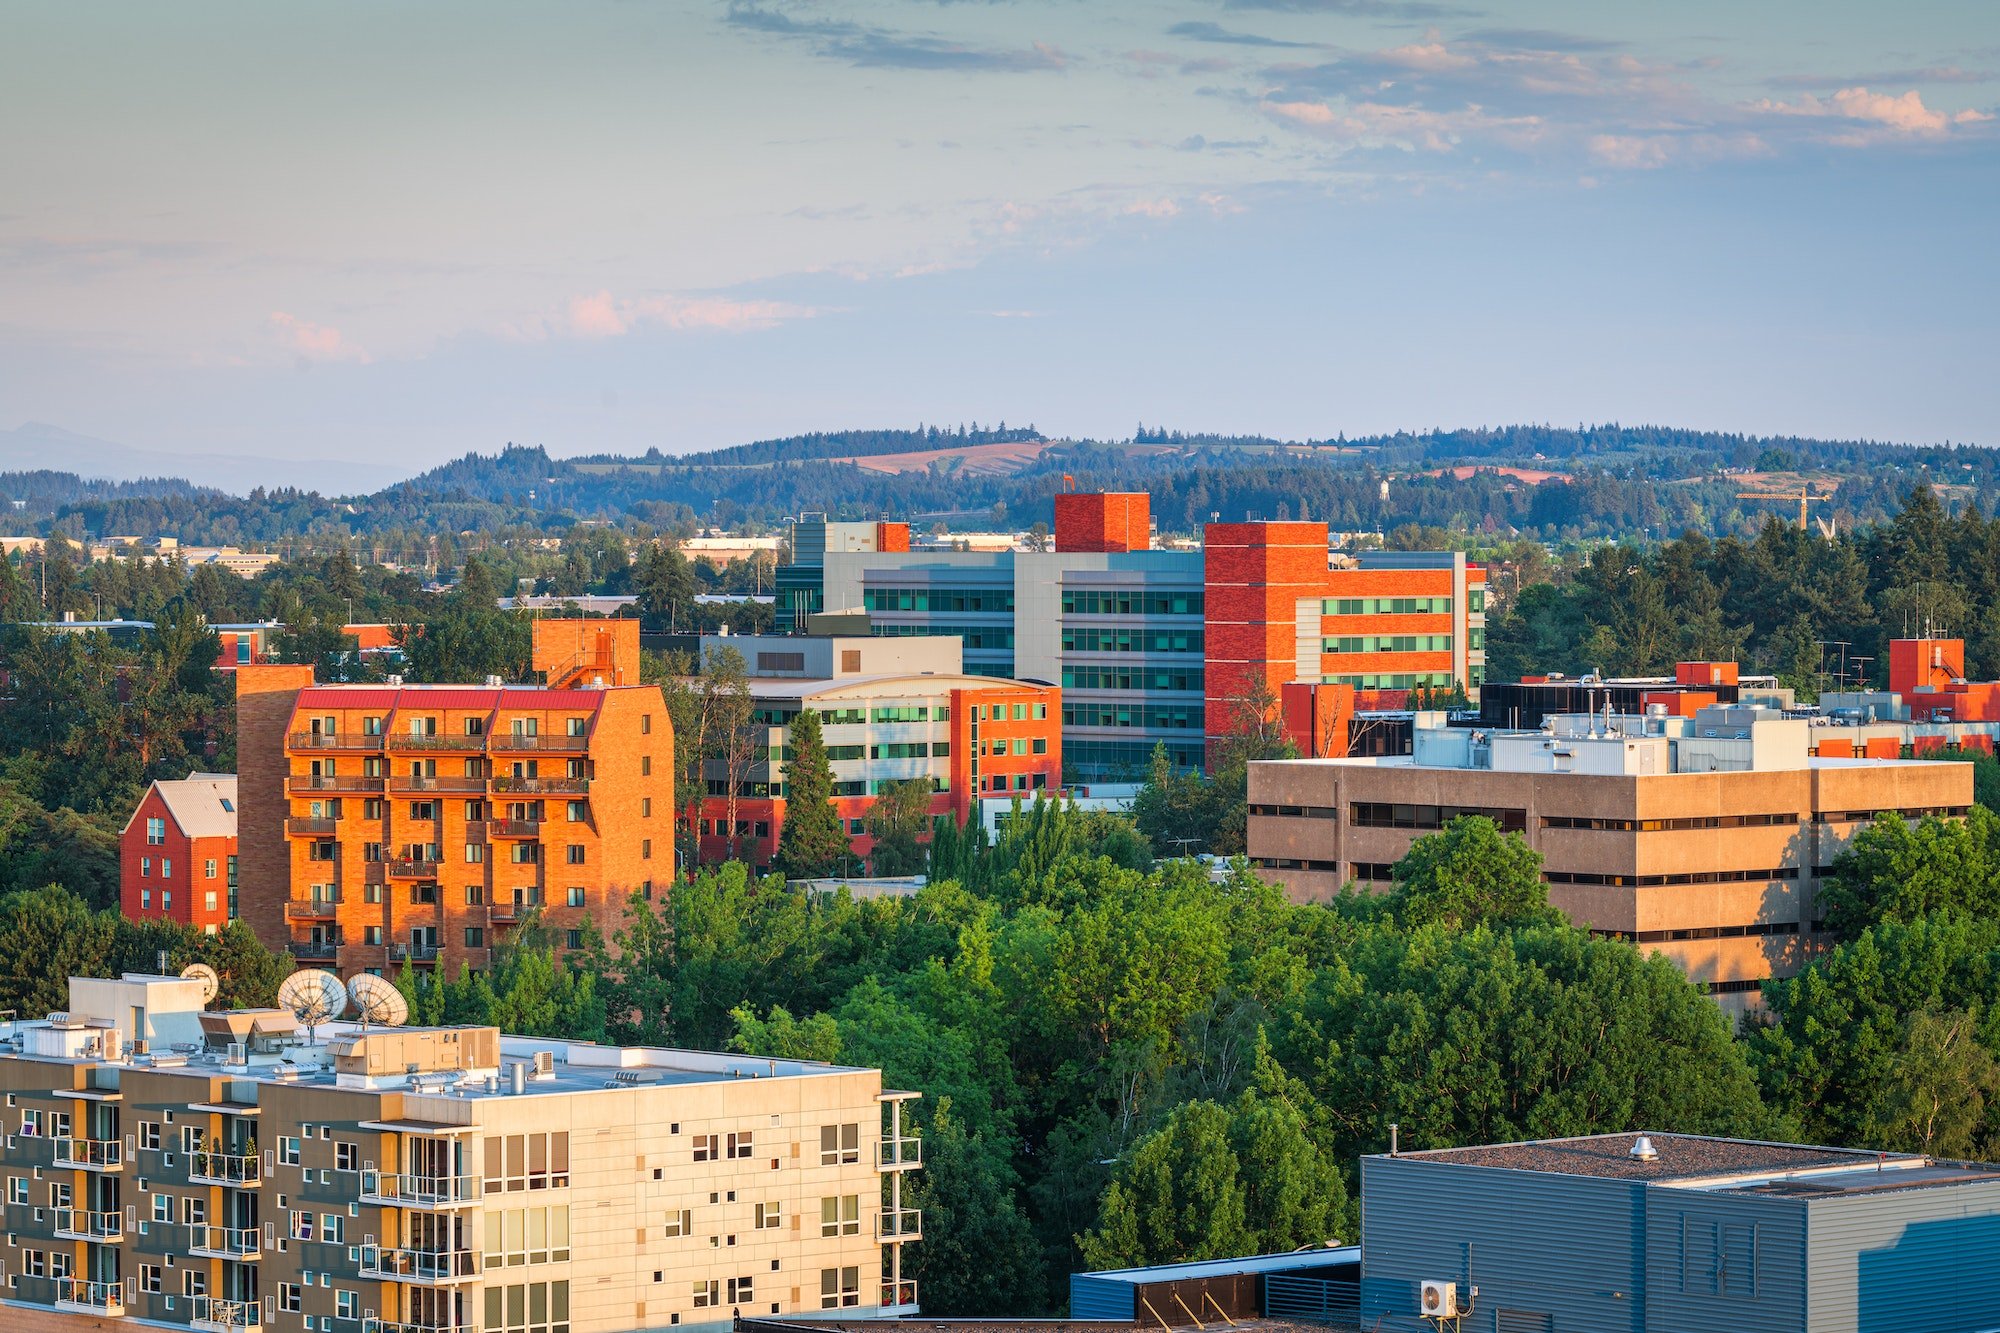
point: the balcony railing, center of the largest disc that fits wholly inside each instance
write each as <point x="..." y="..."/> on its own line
<point x="311" y="909"/>
<point x="310" y="828"/>
<point x="415" y="953"/>
<point x="373" y="1325"/>
<point x="105" y="1298"/>
<point x="224" y="1168"/>
<point x="225" y="1242"/>
<point x="904" y="1154"/>
<point x="513" y="828"/>
<point x="549" y="786"/>
<point x="320" y="951"/>
<point x="413" y="868"/>
<point x="411" y="782"/>
<point x="330" y="782"/>
<point x="381" y="1262"/>
<point x="549" y="744"/>
<point x="216" y="1315"/>
<point x="386" y="1189"/>
<point x="91" y="1154"/>
<point x="899" y="1295"/>
<point x="897" y="1224"/>
<point x="79" y="1224"/>
<point x="468" y="744"/>
<point x="308" y="740"/>
<point x="508" y="911"/>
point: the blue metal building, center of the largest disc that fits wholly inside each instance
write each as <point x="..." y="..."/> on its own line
<point x="1302" y="1283"/>
<point x="1669" y="1233"/>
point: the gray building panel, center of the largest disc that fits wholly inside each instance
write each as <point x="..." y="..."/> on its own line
<point x="1905" y="1261"/>
<point x="1095" y="1296"/>
<point x="1535" y="1244"/>
<point x="1717" y="1260"/>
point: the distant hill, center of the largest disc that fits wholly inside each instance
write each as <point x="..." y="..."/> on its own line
<point x="38" y="445"/>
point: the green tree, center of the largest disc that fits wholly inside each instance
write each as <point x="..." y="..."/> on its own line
<point x="899" y="816"/>
<point x="979" y="1256"/>
<point x="1469" y="873"/>
<point x="813" y="841"/>
<point x="1894" y="870"/>
<point x="1179" y="1196"/>
<point x="47" y="936"/>
<point x="1939" y="1084"/>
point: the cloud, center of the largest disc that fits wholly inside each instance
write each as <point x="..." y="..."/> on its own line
<point x="602" y="315"/>
<point x="1373" y="9"/>
<point x="1648" y="152"/>
<point x="883" y="48"/>
<point x="1432" y="55"/>
<point x="1153" y="208"/>
<point x="1928" y="74"/>
<point x="313" y="342"/>
<point x="1537" y="39"/>
<point x="1378" y="125"/>
<point x="1876" y="117"/>
<point x="1214" y="32"/>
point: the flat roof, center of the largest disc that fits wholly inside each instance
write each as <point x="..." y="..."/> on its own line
<point x="1284" y="1261"/>
<point x="1681" y="1158"/>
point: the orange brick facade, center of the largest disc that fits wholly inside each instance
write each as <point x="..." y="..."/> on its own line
<point x="166" y="875"/>
<point x="1104" y="521"/>
<point x="421" y="824"/>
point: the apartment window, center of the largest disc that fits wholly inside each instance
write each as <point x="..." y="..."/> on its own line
<point x="575" y="811"/>
<point x="194" y="1212"/>
<point x="371" y="934"/>
<point x="681" y="1223"/>
<point x="423" y="809"/>
<point x="645" y="724"/>
<point x="346" y="1156"/>
<point x="705" y="1294"/>
<point x="573" y="854"/>
<point x="740" y="1144"/>
<point x="163" y="1206"/>
<point x="645" y="849"/>
<point x="518" y="1162"/>
<point x="166" y="867"/>
<point x="371" y="726"/>
<point x="194" y="1282"/>
<point x="17" y="1190"/>
<point x="208" y="868"/>
<point x="156" y="832"/>
<point x="145" y="865"/>
<point x="520" y="1236"/>
<point x="475" y="726"/>
<point x="146" y="898"/>
<point x="742" y="1290"/>
<point x="645" y="765"/>
<point x="475" y="937"/>
<point x="475" y="853"/>
<point x="839" y="1145"/>
<point x="840" y="1216"/>
<point x="532" y="1307"/>
<point x="574" y="726"/>
<point x="149" y="1279"/>
<point x="707" y="1147"/>
<point x="645" y="807"/>
<point x="1041" y="745"/>
<point x="575" y="897"/>
<point x="289" y="1301"/>
<point x="839" y="1287"/>
<point x="572" y="939"/>
<point x="770" y="1216"/>
<point x="527" y="853"/>
<point x="302" y="1224"/>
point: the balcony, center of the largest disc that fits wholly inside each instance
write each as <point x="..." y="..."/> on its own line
<point x="899" y="1296"/>
<point x="904" y="1154"/>
<point x="508" y="912"/>
<point x="385" y="1189"/>
<point x="315" y="951"/>
<point x="91" y="1154"/>
<point x="78" y="1224"/>
<point x="413" y="868"/>
<point x="410" y="782"/>
<point x="311" y="909"/>
<point x="100" y="1298"/>
<point x="895" y="1225"/>
<point x="225" y="1242"/>
<point x="327" y="782"/>
<point x="542" y="786"/>
<point x="373" y="1325"/>
<point x="224" y="1168"/>
<point x="462" y="744"/>
<point x="310" y="828"/>
<point x="513" y="828"/>
<point x="415" y="953"/>
<point x="543" y="744"/>
<point x="425" y="1267"/>
<point x="311" y="740"/>
<point x="216" y="1315"/>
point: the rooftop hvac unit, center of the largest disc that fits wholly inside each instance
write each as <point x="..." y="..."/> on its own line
<point x="1437" y="1300"/>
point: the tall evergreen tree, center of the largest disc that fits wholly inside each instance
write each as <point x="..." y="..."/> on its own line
<point x="813" y="842"/>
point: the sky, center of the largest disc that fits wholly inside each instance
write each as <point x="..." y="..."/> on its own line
<point x="395" y="233"/>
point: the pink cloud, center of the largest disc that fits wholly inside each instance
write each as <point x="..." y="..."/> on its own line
<point x="1153" y="208"/>
<point x="1880" y="116"/>
<point x="1429" y="56"/>
<point x="1644" y="152"/>
<point x="602" y="315"/>
<point x="313" y="342"/>
<point x="1376" y="124"/>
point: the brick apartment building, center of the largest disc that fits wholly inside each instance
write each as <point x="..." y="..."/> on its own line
<point x="1157" y="646"/>
<point x="891" y="710"/>
<point x="218" y="1171"/>
<point x="177" y="854"/>
<point x="1705" y="838"/>
<point x="394" y="823"/>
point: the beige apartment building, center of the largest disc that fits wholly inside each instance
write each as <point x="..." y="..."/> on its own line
<point x="222" y="1173"/>
<point x="1705" y="839"/>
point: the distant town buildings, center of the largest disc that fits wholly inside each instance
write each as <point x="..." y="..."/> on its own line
<point x="177" y="854"/>
<point x="1703" y="837"/>
<point x="1157" y="647"/>
<point x="394" y="823"/>
<point x="234" y="1171"/>
<point x="891" y="710"/>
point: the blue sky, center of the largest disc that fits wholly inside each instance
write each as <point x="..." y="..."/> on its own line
<point x="395" y="233"/>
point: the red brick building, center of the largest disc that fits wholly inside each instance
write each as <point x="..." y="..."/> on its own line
<point x="177" y="855"/>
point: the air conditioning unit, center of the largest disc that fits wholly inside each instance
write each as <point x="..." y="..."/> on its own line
<point x="1437" y="1300"/>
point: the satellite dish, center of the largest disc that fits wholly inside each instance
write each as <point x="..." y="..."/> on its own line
<point x="211" y="984"/>
<point x="376" y="1000"/>
<point x="314" y="996"/>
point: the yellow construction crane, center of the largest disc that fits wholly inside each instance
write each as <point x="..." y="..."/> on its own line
<point x="1803" y="496"/>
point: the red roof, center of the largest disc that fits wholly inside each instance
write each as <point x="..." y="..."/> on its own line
<point x="390" y="697"/>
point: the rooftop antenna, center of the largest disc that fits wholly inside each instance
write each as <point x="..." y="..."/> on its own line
<point x="314" y="996"/>
<point x="376" y="1000"/>
<point x="211" y="984"/>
